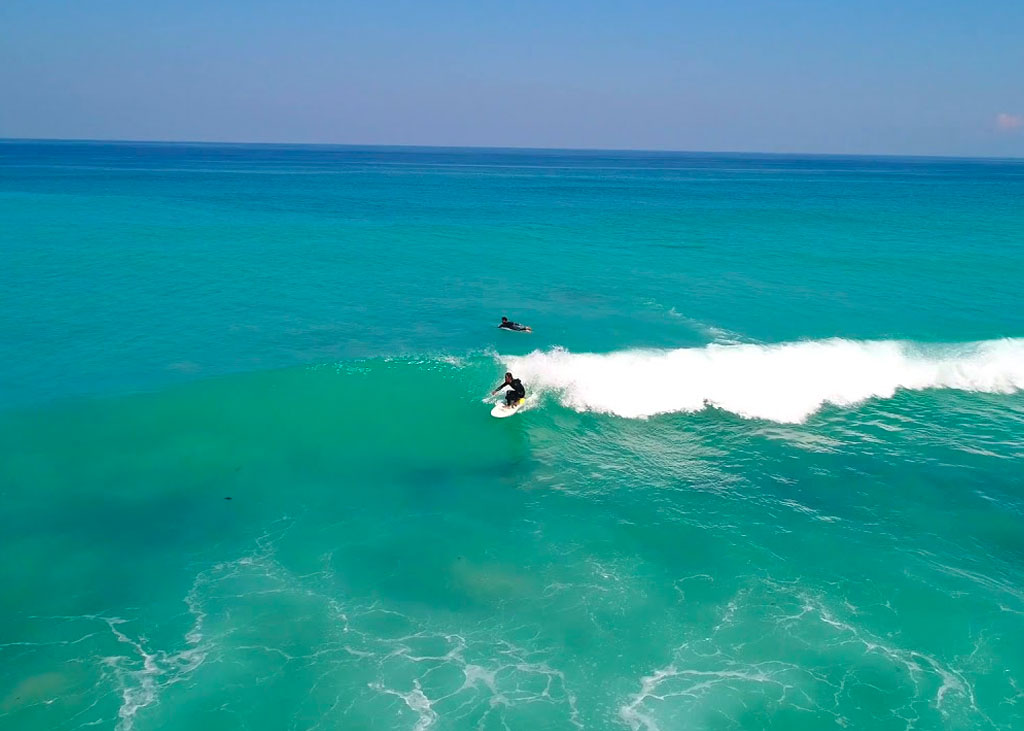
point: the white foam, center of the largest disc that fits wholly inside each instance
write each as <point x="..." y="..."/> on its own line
<point x="785" y="382"/>
<point x="631" y="713"/>
<point x="418" y="703"/>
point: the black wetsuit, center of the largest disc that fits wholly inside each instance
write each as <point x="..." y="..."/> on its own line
<point x="509" y="325"/>
<point x="515" y="392"/>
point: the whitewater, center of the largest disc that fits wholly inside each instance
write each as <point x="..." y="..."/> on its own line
<point x="784" y="382"/>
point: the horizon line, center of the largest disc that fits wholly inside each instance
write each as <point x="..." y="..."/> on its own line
<point x="667" y="151"/>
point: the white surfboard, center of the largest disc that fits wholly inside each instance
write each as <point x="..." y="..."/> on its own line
<point x="500" y="410"/>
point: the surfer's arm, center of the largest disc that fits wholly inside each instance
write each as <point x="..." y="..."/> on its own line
<point x="498" y="388"/>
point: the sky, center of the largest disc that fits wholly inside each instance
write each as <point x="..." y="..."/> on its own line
<point x="943" y="77"/>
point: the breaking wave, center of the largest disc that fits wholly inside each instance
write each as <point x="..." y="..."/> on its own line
<point x="784" y="382"/>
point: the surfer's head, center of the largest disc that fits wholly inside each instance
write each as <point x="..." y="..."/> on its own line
<point x="504" y="319"/>
<point x="508" y="376"/>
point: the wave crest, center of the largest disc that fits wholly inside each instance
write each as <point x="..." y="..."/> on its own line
<point x="785" y="382"/>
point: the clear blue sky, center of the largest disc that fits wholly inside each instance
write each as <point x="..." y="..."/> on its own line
<point x="942" y="77"/>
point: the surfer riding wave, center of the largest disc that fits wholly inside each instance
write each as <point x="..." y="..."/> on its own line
<point x="516" y="390"/>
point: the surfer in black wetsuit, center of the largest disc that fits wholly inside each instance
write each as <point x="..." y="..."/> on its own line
<point x="516" y="390"/>
<point x="507" y="324"/>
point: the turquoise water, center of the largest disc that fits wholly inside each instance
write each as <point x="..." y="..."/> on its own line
<point x="769" y="471"/>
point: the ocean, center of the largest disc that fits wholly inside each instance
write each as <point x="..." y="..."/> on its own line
<point x="770" y="470"/>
